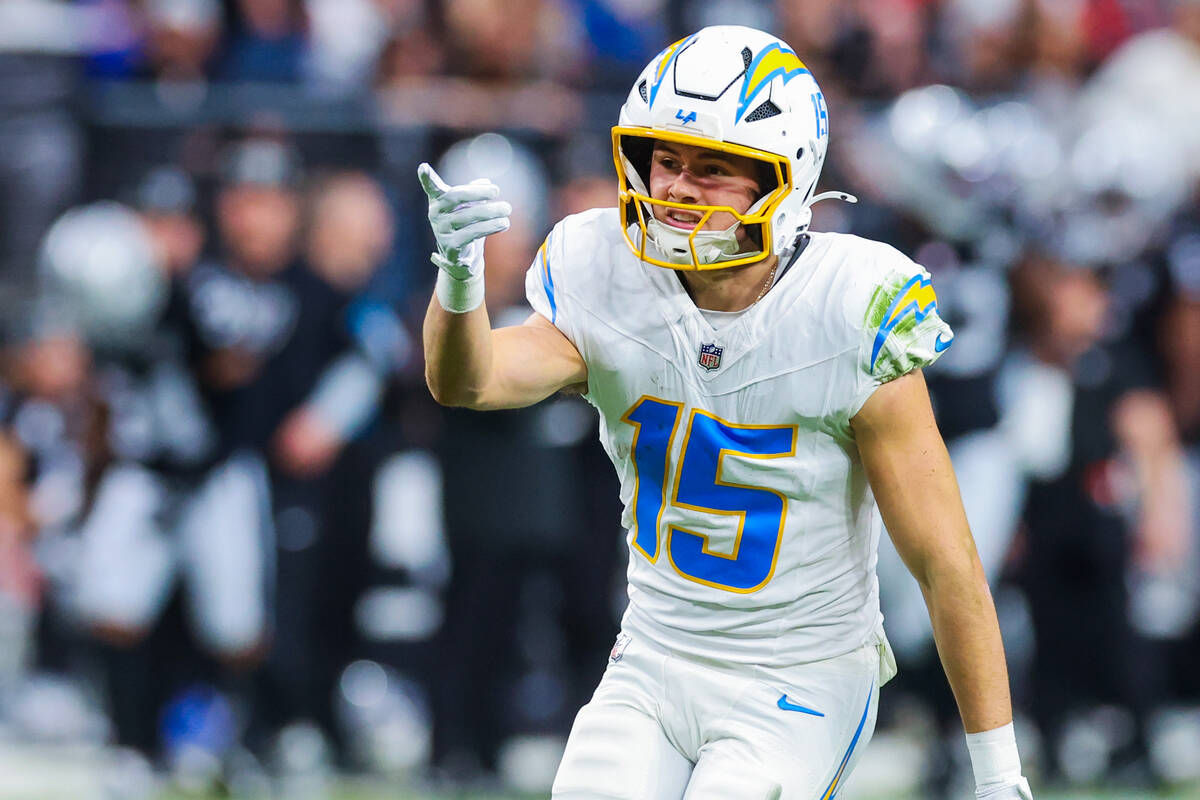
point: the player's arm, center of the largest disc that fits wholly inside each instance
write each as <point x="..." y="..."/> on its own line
<point x="466" y="362"/>
<point x="469" y="364"/>
<point x="910" y="474"/>
<point x="1147" y="434"/>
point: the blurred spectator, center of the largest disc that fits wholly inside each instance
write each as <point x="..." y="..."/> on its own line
<point x="113" y="43"/>
<point x="986" y="39"/>
<point x="619" y="36"/>
<point x="1059" y="55"/>
<point x="1107" y="499"/>
<point x="50" y="416"/>
<point x="269" y="331"/>
<point x="1179" y="332"/>
<point x="513" y="81"/>
<point x="1156" y="76"/>
<point x="1181" y="329"/>
<point x="166" y="200"/>
<point x="810" y="27"/>
<point x="895" y="31"/>
<point x="350" y="232"/>
<point x="294" y="368"/>
<point x="326" y="485"/>
<point x="240" y="315"/>
<point x="346" y="39"/>
<point x="1059" y="47"/>
<point x="182" y="37"/>
<point x="349" y="235"/>
<point x="267" y="44"/>
<point x="495" y="40"/>
<point x="412" y="54"/>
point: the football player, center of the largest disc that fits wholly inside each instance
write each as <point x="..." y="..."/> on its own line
<point x="760" y="394"/>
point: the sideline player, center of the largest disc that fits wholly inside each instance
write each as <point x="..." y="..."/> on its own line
<point x="760" y="393"/>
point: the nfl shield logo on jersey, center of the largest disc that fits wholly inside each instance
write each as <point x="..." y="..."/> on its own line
<point x="710" y="356"/>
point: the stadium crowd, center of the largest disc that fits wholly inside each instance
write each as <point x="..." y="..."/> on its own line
<point x="239" y="540"/>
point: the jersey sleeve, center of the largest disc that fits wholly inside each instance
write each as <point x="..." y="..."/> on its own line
<point x="544" y="283"/>
<point x="900" y="328"/>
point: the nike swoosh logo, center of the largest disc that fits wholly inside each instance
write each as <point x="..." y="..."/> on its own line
<point x="939" y="345"/>
<point x="787" y="706"/>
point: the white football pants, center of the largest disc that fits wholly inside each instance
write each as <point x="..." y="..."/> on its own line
<point x="660" y="727"/>
<point x="218" y="541"/>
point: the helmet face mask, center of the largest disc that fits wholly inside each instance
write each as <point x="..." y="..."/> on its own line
<point x="737" y="91"/>
<point x="699" y="248"/>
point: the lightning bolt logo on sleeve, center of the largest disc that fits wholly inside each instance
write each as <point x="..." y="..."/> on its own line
<point x="914" y="302"/>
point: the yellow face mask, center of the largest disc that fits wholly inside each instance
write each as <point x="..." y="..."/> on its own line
<point x="698" y="249"/>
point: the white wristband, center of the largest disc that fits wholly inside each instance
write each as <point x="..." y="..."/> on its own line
<point x="459" y="296"/>
<point x="994" y="757"/>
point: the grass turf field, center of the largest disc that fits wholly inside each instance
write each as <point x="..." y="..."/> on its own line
<point x="352" y="791"/>
<point x="32" y="772"/>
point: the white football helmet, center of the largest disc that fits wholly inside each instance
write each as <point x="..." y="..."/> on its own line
<point x="740" y="91"/>
<point x="101" y="267"/>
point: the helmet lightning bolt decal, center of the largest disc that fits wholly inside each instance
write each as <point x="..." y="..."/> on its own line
<point x="664" y="61"/>
<point x="773" y="60"/>
<point x="917" y="298"/>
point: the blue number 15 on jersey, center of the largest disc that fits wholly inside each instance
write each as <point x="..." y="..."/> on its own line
<point x="698" y="486"/>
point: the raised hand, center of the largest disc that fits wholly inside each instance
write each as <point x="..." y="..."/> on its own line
<point x="461" y="216"/>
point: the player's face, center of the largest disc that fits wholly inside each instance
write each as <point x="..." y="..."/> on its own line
<point x="258" y="225"/>
<point x="684" y="173"/>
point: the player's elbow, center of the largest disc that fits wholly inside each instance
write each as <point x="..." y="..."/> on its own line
<point x="451" y="395"/>
<point x="950" y="571"/>
<point x="445" y="395"/>
<point x="457" y="400"/>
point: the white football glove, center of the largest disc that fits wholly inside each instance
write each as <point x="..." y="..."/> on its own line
<point x="461" y="217"/>
<point x="1013" y="791"/>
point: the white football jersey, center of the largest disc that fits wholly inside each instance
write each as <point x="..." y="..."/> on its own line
<point x="751" y="526"/>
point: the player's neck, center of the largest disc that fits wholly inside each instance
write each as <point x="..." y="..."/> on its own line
<point x="731" y="289"/>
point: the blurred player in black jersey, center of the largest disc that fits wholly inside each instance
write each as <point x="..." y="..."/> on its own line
<point x="290" y="382"/>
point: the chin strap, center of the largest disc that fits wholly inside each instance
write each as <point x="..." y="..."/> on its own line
<point x="675" y="246"/>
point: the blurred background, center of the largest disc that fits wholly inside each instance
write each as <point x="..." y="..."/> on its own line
<point x="243" y="553"/>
